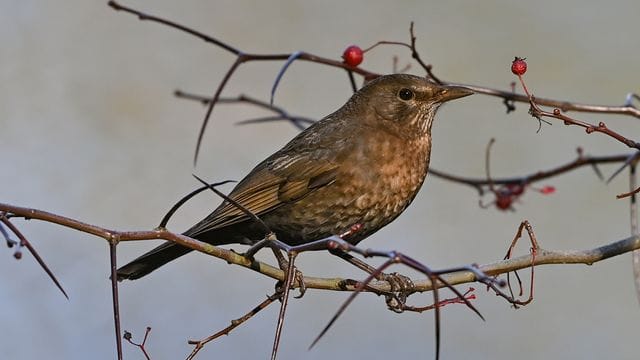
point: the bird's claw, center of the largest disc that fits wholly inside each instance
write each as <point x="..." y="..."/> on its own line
<point x="298" y="278"/>
<point x="401" y="287"/>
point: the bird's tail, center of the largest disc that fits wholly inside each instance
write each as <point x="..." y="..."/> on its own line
<point x="152" y="260"/>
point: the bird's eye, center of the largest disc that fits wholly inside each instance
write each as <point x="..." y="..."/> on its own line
<point x="405" y="94"/>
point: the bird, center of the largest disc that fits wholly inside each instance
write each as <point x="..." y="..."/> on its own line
<point x="360" y="166"/>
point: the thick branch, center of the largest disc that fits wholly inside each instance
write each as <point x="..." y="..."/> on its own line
<point x="336" y="284"/>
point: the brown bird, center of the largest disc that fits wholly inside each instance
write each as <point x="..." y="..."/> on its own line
<point x="361" y="165"/>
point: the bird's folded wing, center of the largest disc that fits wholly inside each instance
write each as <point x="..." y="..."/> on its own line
<point x="267" y="189"/>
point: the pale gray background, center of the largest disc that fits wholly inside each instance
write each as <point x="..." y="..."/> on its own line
<point x="90" y="129"/>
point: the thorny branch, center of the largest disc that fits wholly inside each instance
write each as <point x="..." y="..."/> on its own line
<point x="543" y="257"/>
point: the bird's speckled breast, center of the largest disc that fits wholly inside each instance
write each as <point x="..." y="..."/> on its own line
<point x="374" y="190"/>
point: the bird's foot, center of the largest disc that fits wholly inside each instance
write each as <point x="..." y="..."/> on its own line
<point x="298" y="279"/>
<point x="401" y="287"/>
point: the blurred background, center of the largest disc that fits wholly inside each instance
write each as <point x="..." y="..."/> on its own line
<point x="90" y="129"/>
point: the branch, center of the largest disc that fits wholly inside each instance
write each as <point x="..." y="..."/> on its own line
<point x="565" y="106"/>
<point x="532" y="177"/>
<point x="542" y="257"/>
<point x="546" y="257"/>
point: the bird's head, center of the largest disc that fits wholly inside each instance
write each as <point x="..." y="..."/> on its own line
<point x="403" y="104"/>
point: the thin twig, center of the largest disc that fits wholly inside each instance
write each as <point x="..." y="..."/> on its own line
<point x="287" y="284"/>
<point x="536" y="176"/>
<point x="633" y="215"/>
<point x="26" y="243"/>
<point x="537" y="112"/>
<point x="563" y="105"/>
<point x="114" y="295"/>
<point x="142" y="346"/>
<point x="199" y="344"/>
<point x="246" y="99"/>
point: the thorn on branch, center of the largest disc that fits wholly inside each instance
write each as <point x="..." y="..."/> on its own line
<point x="24" y="242"/>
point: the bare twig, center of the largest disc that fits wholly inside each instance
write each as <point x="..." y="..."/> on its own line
<point x="286" y="284"/>
<point x="416" y="56"/>
<point x="537" y="112"/>
<point x="142" y="346"/>
<point x="525" y="225"/>
<point x="176" y="206"/>
<point x="282" y="114"/>
<point x="26" y="243"/>
<point x="199" y="344"/>
<point x="114" y="296"/>
<point x="580" y="161"/>
<point x="633" y="215"/>
<point x="563" y="105"/>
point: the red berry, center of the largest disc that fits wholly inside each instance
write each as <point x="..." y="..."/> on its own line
<point x="503" y="202"/>
<point x="519" y="66"/>
<point x="353" y="55"/>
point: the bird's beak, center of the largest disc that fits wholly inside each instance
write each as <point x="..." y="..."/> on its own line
<point x="451" y="92"/>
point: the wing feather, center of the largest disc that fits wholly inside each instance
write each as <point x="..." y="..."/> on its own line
<point x="269" y="186"/>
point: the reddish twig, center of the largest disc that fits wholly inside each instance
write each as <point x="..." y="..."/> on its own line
<point x="128" y="337"/>
<point x="537" y="112"/>
<point x="627" y="194"/>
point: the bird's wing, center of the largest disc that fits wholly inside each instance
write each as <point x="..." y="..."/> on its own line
<point x="267" y="188"/>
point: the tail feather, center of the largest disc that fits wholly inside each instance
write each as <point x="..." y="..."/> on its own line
<point x="151" y="260"/>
